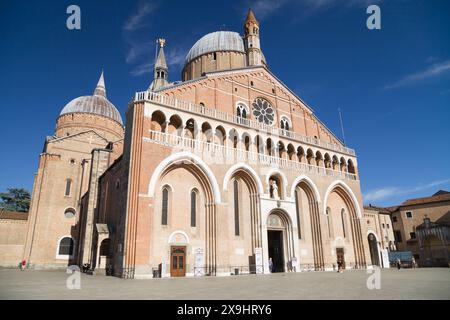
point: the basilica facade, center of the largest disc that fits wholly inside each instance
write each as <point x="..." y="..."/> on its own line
<point x="225" y="172"/>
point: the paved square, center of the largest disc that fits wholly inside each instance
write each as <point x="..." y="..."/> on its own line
<point x="403" y="284"/>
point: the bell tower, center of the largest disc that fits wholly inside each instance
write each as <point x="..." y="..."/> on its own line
<point x="251" y="40"/>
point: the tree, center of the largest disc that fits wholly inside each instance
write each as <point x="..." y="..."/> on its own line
<point x="16" y="199"/>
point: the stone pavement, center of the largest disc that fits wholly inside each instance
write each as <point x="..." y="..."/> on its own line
<point x="404" y="284"/>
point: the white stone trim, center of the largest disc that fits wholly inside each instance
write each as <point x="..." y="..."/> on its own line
<point x="248" y="169"/>
<point x="245" y="106"/>
<point x="180" y="156"/>
<point x="348" y="190"/>
<point x="172" y="235"/>
<point x="64" y="256"/>
<point x="308" y="182"/>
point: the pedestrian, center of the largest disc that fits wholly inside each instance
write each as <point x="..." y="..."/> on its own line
<point x="270" y="265"/>
<point x="399" y="263"/>
<point x="23" y="264"/>
<point x="413" y="263"/>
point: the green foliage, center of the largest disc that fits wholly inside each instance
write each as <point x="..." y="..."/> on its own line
<point x="16" y="199"/>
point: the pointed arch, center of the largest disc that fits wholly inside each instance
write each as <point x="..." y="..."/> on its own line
<point x="246" y="168"/>
<point x="192" y="159"/>
<point x="309" y="182"/>
<point x="348" y="191"/>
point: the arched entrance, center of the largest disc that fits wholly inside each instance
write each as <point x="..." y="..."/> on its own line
<point x="279" y="241"/>
<point x="373" y="246"/>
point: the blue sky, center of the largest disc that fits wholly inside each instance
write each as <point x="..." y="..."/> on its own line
<point x="393" y="84"/>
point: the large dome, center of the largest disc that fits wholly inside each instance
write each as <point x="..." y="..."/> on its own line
<point x="216" y="41"/>
<point x="93" y="104"/>
<point x="96" y="104"/>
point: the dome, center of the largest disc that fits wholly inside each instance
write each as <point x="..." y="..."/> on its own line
<point x="216" y="41"/>
<point x="95" y="104"/>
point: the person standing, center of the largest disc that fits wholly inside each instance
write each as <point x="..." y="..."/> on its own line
<point x="23" y="264"/>
<point x="270" y="265"/>
<point x="399" y="263"/>
<point x="413" y="263"/>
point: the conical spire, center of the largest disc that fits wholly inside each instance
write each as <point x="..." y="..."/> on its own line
<point x="251" y="17"/>
<point x="161" y="60"/>
<point x="100" y="90"/>
<point x="161" y="71"/>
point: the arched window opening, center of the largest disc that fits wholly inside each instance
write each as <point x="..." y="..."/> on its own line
<point x="68" y="187"/>
<point x="284" y="125"/>
<point x="328" y="213"/>
<point x="247" y="143"/>
<point x="164" y="206"/>
<point x="344" y="231"/>
<point x="236" y="207"/>
<point x="281" y="150"/>
<point x="351" y="167"/>
<point x="297" y="209"/>
<point x="241" y="112"/>
<point x="193" y="208"/>
<point x="66" y="247"/>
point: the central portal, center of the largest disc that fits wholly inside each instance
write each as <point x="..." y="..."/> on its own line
<point x="276" y="252"/>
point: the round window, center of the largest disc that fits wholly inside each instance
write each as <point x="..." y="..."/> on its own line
<point x="69" y="213"/>
<point x="263" y="111"/>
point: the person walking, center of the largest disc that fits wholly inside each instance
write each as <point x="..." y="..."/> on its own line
<point x="413" y="263"/>
<point x="23" y="265"/>
<point x="399" y="264"/>
<point x="270" y="265"/>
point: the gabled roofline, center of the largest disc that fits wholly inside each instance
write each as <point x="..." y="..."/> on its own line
<point x="251" y="68"/>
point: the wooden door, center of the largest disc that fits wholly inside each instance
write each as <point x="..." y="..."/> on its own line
<point x="340" y="256"/>
<point x="178" y="262"/>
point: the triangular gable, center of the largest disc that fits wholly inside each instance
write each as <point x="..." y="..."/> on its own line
<point x="262" y="73"/>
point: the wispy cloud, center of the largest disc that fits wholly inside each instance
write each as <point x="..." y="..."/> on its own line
<point x="389" y="192"/>
<point x="265" y="8"/>
<point x="139" y="18"/>
<point x="305" y="8"/>
<point x="432" y="71"/>
<point x="174" y="57"/>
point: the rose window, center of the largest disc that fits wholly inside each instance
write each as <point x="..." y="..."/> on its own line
<point x="263" y="111"/>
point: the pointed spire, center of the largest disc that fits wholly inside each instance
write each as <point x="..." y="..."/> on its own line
<point x="161" y="71"/>
<point x="251" y="17"/>
<point x="100" y="90"/>
<point x="161" y="60"/>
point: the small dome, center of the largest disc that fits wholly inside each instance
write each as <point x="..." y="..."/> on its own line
<point x="96" y="104"/>
<point x="216" y="41"/>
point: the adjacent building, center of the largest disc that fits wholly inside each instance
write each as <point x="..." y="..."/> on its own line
<point x="422" y="226"/>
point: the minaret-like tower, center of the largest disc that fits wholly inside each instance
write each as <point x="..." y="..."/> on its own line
<point x="161" y="71"/>
<point x="251" y="40"/>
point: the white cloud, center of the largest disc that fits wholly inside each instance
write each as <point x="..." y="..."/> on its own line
<point x="389" y="192"/>
<point x="264" y="8"/>
<point x="139" y="18"/>
<point x="174" y="57"/>
<point x="432" y="71"/>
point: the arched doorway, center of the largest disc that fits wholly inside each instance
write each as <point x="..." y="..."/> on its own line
<point x="279" y="241"/>
<point x="373" y="246"/>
